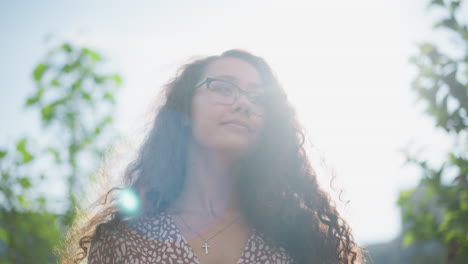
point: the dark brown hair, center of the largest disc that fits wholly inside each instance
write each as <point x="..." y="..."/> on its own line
<point x="280" y="194"/>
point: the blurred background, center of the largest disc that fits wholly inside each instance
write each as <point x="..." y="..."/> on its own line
<point x="379" y="85"/>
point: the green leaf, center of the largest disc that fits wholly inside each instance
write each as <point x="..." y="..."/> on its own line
<point x="437" y="2"/>
<point x="60" y="101"/>
<point x="39" y="71"/>
<point x="3" y="234"/>
<point x="117" y="79"/>
<point x="5" y="176"/>
<point x="47" y="112"/>
<point x="408" y="239"/>
<point x="35" y="98"/>
<point x="3" y="153"/>
<point x="456" y="88"/>
<point x="23" y="201"/>
<point x="77" y="84"/>
<point x="54" y="153"/>
<point x="454" y="5"/>
<point x="99" y="79"/>
<point x="92" y="54"/>
<point x="413" y="60"/>
<point x="86" y="96"/>
<point x="21" y="148"/>
<point x="464" y="33"/>
<point x="41" y="200"/>
<point x="68" y="68"/>
<point x="25" y="182"/>
<point x="107" y="120"/>
<point x="108" y="96"/>
<point x="464" y="201"/>
<point x="449" y="23"/>
<point x="55" y="83"/>
<point x="97" y="130"/>
<point x="66" y="47"/>
<point x="405" y="196"/>
<point x="427" y="48"/>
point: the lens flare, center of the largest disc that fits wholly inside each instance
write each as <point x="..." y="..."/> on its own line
<point x="129" y="201"/>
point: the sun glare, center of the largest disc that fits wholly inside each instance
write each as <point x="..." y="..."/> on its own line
<point x="129" y="201"/>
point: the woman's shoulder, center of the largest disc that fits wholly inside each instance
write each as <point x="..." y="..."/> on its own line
<point x="126" y="240"/>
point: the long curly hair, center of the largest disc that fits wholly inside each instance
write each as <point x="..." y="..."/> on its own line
<point x="279" y="192"/>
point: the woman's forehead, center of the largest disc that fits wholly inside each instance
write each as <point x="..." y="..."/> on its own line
<point x="234" y="70"/>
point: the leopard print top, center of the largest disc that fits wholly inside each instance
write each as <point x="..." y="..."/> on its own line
<point x="157" y="239"/>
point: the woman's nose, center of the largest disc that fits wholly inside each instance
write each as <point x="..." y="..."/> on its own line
<point x="242" y="103"/>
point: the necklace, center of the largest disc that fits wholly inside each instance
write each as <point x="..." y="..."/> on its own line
<point x="206" y="245"/>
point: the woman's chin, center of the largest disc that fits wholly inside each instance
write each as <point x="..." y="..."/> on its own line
<point x="234" y="145"/>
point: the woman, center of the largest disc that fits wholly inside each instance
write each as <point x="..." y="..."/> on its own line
<point x="222" y="177"/>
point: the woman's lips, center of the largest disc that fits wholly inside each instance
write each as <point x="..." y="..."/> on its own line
<point x="237" y="125"/>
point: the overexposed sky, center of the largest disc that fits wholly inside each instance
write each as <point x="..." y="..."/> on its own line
<point x="344" y="65"/>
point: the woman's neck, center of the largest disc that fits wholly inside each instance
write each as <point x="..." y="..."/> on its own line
<point x="210" y="185"/>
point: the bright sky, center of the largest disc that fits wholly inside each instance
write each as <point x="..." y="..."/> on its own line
<point x="343" y="65"/>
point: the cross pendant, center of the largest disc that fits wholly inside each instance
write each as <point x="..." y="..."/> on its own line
<point x="206" y="246"/>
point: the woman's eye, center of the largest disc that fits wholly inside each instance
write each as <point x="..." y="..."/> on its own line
<point x="222" y="88"/>
<point x="257" y="99"/>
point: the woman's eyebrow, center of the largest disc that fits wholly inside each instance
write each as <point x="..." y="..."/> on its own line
<point x="227" y="77"/>
<point x="236" y="80"/>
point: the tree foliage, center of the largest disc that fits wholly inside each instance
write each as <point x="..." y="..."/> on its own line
<point x="437" y="209"/>
<point x="76" y="102"/>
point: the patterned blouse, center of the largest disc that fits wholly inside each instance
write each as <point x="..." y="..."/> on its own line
<point x="155" y="240"/>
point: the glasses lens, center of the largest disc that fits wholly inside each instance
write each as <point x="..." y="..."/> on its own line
<point x="223" y="92"/>
<point x="257" y="99"/>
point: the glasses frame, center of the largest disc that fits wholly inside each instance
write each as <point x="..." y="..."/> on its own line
<point x="238" y="91"/>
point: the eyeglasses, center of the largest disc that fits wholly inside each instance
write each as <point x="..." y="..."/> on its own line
<point x="226" y="92"/>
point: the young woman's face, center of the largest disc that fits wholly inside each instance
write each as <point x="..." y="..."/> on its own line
<point x="221" y="126"/>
